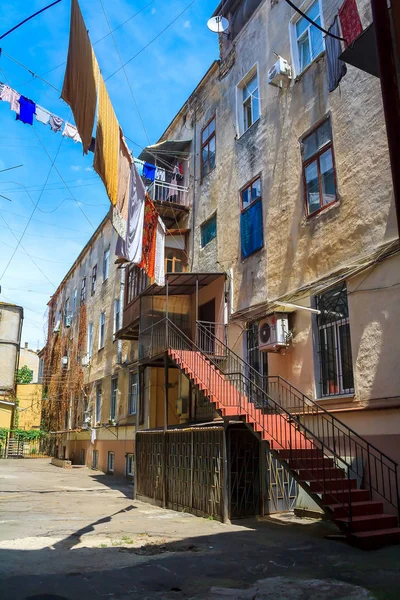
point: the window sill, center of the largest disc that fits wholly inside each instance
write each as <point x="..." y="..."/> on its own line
<point x="239" y="137"/>
<point x="100" y="349"/>
<point x="336" y="397"/>
<point x="308" y="67"/>
<point x="323" y="210"/>
<point x="243" y="259"/>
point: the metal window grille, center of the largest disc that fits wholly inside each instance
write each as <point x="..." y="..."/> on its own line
<point x="336" y="365"/>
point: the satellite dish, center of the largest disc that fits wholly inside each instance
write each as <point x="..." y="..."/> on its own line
<point x="218" y="24"/>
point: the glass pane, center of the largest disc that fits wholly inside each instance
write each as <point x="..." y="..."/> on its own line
<point x="256" y="189"/>
<point x="324" y="133"/>
<point x="301" y="26"/>
<point x="211" y="156"/>
<point x="246" y="198"/>
<point x="317" y="42"/>
<point x="309" y="146"/>
<point x="204" y="135"/>
<point x="346" y="358"/>
<point x="255" y="104"/>
<point x="170" y="254"/>
<point x="211" y="127"/>
<point x="304" y="52"/>
<point x="313" y="12"/>
<point x="178" y="266"/>
<point x="247" y="114"/>
<point x="311" y="173"/>
<point x="208" y="231"/>
<point x="327" y="177"/>
<point x="250" y="87"/>
<point x="169" y="266"/>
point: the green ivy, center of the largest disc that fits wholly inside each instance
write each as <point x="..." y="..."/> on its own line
<point x="24" y="375"/>
<point x="22" y="434"/>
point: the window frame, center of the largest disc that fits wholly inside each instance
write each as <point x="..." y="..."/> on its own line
<point x="98" y="403"/>
<point x="207" y="143"/>
<point x="246" y="208"/>
<point x="83" y="292"/>
<point x="137" y="282"/>
<point x="128" y="457"/>
<point x="90" y="339"/>
<point x="102" y="330"/>
<point x="132" y="409"/>
<point x="304" y="6"/>
<point x="117" y="322"/>
<point x="95" y="460"/>
<point x="114" y="398"/>
<point x="66" y="311"/>
<point x="240" y="113"/>
<point x="175" y="259"/>
<point x="203" y="224"/>
<point x="110" y="455"/>
<point x="94" y="280"/>
<point x="106" y="263"/>
<point x="75" y="301"/>
<point x="316" y="157"/>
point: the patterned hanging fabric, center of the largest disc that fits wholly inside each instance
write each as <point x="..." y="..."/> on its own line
<point x="350" y="21"/>
<point x="149" y="237"/>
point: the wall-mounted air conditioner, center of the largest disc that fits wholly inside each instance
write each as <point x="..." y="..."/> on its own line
<point x="273" y="333"/>
<point x="64" y="361"/>
<point x="68" y="321"/>
<point x="279" y="73"/>
<point x="85" y="360"/>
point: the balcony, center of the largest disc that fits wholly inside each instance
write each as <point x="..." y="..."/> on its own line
<point x="169" y="194"/>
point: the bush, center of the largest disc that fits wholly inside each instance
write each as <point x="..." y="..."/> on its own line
<point x="24" y="375"/>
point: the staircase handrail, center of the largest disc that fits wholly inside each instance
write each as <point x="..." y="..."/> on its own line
<point x="316" y="410"/>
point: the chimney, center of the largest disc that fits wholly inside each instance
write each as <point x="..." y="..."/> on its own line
<point x="26" y="345"/>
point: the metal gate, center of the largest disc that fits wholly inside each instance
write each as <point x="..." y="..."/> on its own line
<point x="19" y="446"/>
<point x="282" y="489"/>
<point x="183" y="469"/>
<point x="244" y="473"/>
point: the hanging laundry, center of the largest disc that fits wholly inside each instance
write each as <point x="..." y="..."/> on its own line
<point x="71" y="131"/>
<point x="139" y="165"/>
<point x="92" y="145"/>
<point x="149" y="171"/>
<point x="159" y="267"/>
<point x="130" y="248"/>
<point x="42" y="115"/>
<point x="149" y="237"/>
<point x="56" y="123"/>
<point x="336" y="68"/>
<point x="27" y="109"/>
<point x="9" y="95"/>
<point x="160" y="174"/>
<point x="350" y="21"/>
<point x="120" y="210"/>
<point x="107" y="144"/>
<point x="81" y="77"/>
<point x="173" y="192"/>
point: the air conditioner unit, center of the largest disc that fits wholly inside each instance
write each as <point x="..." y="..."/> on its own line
<point x="273" y="333"/>
<point x="279" y="72"/>
<point x="56" y="327"/>
<point x="68" y="321"/>
<point x="85" y="360"/>
<point x="64" y="361"/>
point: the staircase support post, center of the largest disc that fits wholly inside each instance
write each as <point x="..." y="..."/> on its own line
<point x="166" y="389"/>
<point x="226" y="490"/>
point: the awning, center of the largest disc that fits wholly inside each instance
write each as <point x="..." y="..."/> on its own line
<point x="182" y="284"/>
<point x="166" y="150"/>
<point x="363" y="54"/>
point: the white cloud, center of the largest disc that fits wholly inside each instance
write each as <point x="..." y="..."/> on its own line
<point x="187" y="25"/>
<point x="153" y="11"/>
<point x="88" y="168"/>
<point x="75" y="167"/>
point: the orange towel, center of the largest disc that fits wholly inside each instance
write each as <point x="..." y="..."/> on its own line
<point x="107" y="144"/>
<point x="149" y="237"/>
<point x="81" y="77"/>
<point x="120" y="212"/>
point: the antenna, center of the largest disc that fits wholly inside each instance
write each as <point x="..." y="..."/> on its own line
<point x="218" y="24"/>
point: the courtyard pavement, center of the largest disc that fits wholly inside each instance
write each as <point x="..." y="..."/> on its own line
<point x="77" y="534"/>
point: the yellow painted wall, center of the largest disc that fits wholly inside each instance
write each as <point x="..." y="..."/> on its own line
<point x="5" y="416"/>
<point x="29" y="405"/>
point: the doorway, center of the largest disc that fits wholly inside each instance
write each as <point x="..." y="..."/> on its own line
<point x="207" y="330"/>
<point x="244" y="479"/>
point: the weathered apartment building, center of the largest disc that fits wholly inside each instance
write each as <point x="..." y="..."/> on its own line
<point x="266" y="365"/>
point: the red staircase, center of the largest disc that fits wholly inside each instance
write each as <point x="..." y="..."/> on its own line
<point x="326" y="474"/>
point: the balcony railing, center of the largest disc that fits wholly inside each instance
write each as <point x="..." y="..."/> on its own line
<point x="168" y="193"/>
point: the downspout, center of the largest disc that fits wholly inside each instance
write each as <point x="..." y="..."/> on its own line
<point x="194" y="182"/>
<point x="390" y="90"/>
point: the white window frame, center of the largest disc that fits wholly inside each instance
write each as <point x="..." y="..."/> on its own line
<point x="106" y="263"/>
<point x="293" y="36"/>
<point x="135" y="387"/>
<point x="75" y="301"/>
<point x="102" y="338"/>
<point x="114" y="379"/>
<point x="129" y="457"/>
<point x="98" y="407"/>
<point x="90" y="340"/>
<point x="110" y="463"/>
<point x="254" y="72"/>
<point x="117" y="322"/>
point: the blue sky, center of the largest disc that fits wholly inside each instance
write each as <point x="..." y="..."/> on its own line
<point x="161" y="77"/>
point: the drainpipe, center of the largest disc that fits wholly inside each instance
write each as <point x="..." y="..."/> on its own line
<point x="390" y="90"/>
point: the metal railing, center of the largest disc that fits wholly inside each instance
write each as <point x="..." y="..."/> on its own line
<point x="362" y="460"/>
<point x="160" y="191"/>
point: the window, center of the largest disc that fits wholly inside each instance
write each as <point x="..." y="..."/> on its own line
<point x="94" y="279"/>
<point x="133" y="393"/>
<point x="90" y="340"/>
<point x="307" y="39"/>
<point x="74" y="301"/>
<point x="256" y="359"/>
<point x="251" y="220"/>
<point x="129" y="465"/>
<point x="114" y="398"/>
<point x="117" y="315"/>
<point x="97" y="416"/>
<point x="95" y="459"/>
<point x="83" y="291"/>
<point x="336" y="363"/>
<point x="174" y="260"/>
<point x="137" y="283"/>
<point x="66" y="312"/>
<point x="319" y="174"/>
<point x="106" y="264"/>
<point x="248" y="101"/>
<point x="110" y="462"/>
<point x="102" y="330"/>
<point x="208" y="148"/>
<point x="208" y="231"/>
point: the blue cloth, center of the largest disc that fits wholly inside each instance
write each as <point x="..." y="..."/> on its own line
<point x="26" y="111"/>
<point x="149" y="171"/>
<point x="251" y="229"/>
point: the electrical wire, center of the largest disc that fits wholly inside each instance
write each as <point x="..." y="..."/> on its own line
<point x="47" y="224"/>
<point x="28" y="19"/>
<point x="314" y="23"/>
